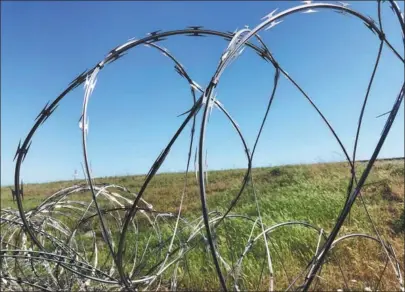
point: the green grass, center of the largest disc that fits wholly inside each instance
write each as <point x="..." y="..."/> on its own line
<point x="312" y="193"/>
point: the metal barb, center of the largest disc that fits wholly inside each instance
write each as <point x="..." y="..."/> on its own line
<point x="21" y="150"/>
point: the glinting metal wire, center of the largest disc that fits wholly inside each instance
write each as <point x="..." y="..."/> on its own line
<point x="44" y="248"/>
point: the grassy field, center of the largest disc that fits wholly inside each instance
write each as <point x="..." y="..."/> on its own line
<point x="312" y="193"/>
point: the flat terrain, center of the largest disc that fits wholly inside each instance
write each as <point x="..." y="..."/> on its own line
<point x="311" y="193"/>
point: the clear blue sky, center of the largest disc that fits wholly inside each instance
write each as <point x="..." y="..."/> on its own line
<point x="133" y="109"/>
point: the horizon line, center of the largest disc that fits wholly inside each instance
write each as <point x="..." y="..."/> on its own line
<point x="236" y="168"/>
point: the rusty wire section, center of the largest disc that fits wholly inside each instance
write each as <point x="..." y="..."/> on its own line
<point x="115" y="240"/>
